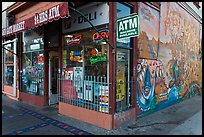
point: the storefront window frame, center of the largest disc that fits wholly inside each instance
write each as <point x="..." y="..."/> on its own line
<point x="40" y="38"/>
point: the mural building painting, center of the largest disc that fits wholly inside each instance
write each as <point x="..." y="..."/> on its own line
<point x="174" y="74"/>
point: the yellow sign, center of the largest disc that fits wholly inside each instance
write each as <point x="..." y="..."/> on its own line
<point x="120" y="85"/>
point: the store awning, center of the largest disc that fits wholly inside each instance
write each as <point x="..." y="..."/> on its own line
<point x="38" y="19"/>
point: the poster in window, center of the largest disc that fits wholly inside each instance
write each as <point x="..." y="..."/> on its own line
<point x="104" y="99"/>
<point x="88" y="90"/>
<point x="78" y="80"/>
<point x="120" y="86"/>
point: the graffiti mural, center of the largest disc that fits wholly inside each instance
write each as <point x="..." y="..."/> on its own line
<point x="175" y="73"/>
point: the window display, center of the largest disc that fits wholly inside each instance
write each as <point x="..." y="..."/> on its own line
<point x="33" y="63"/>
<point x="86" y="49"/>
<point x="85" y="57"/>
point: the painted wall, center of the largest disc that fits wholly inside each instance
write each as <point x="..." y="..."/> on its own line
<point x="170" y="64"/>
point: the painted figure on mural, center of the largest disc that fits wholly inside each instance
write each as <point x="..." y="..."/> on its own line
<point x="145" y="87"/>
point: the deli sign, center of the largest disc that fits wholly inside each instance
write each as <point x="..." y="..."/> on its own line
<point x="128" y="27"/>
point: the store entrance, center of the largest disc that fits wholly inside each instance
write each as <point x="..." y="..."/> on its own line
<point x="53" y="84"/>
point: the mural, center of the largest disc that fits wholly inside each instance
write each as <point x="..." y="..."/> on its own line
<point x="175" y="73"/>
<point x="149" y="22"/>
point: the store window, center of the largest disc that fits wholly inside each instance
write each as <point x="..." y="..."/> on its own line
<point x="123" y="67"/>
<point x="33" y="62"/>
<point x="86" y="49"/>
<point x="9" y="65"/>
<point x="85" y="81"/>
<point x="85" y="52"/>
<point x="85" y="63"/>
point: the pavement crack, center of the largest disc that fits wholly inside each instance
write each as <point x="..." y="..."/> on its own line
<point x="152" y="124"/>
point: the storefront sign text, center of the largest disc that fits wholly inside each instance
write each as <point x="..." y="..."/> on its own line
<point x="97" y="15"/>
<point x="14" y="28"/>
<point x="89" y="16"/>
<point x="127" y="27"/>
<point x="60" y="10"/>
<point x="47" y="15"/>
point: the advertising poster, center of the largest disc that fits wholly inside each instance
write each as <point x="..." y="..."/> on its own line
<point x="120" y="86"/>
<point x="88" y="90"/>
<point x="104" y="99"/>
<point x="78" y="80"/>
<point x="69" y="91"/>
<point x="68" y="73"/>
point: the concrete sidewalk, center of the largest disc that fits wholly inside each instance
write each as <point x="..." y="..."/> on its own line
<point x="181" y="118"/>
<point x="191" y="126"/>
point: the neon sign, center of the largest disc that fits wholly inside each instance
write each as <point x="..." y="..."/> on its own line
<point x="97" y="59"/>
<point x="75" y="40"/>
<point x="76" y="56"/>
<point x="97" y="37"/>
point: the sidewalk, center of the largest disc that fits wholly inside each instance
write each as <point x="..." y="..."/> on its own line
<point x="181" y="118"/>
<point x="192" y="126"/>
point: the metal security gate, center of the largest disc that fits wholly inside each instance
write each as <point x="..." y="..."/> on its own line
<point x="90" y="92"/>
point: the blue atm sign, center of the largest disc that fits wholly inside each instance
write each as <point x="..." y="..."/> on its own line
<point x="128" y="27"/>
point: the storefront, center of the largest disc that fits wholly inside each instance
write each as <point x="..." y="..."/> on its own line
<point x="72" y="65"/>
<point x="33" y="49"/>
<point x="96" y="79"/>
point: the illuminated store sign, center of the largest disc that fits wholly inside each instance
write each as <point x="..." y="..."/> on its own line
<point x="97" y="59"/>
<point x="75" y="40"/>
<point x="97" y="37"/>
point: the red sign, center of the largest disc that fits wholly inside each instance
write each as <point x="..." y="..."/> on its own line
<point x="97" y="36"/>
<point x="53" y="13"/>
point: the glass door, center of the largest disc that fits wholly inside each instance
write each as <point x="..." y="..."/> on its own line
<point x="122" y="79"/>
<point x="53" y="84"/>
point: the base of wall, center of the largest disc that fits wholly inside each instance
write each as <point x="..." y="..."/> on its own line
<point x="90" y="116"/>
<point x="33" y="99"/>
<point x="124" y="117"/>
<point x="8" y="91"/>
